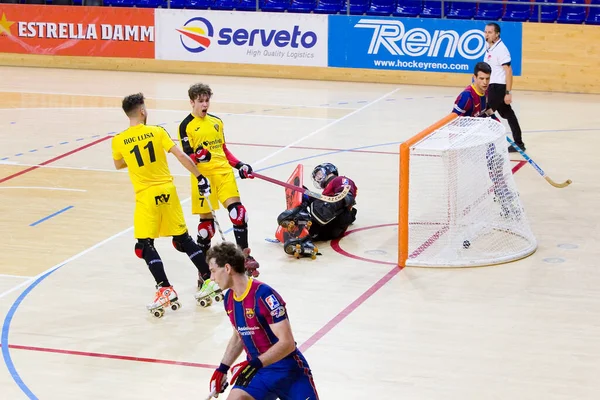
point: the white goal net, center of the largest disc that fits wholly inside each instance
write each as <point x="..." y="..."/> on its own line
<point x="464" y="207"/>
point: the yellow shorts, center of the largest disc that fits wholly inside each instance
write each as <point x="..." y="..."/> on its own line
<point x="158" y="213"/>
<point x="222" y="187"/>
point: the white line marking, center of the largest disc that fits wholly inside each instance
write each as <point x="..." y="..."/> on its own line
<point x="329" y="125"/>
<point x="42" y="188"/>
<point x="84" y="252"/>
<point x="8" y="162"/>
<point x="14" y="276"/>
<point x="171" y="98"/>
<point x="254" y="114"/>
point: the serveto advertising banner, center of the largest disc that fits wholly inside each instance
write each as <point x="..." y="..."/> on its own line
<point x="413" y="44"/>
<point x="241" y="37"/>
<point x="77" y="31"/>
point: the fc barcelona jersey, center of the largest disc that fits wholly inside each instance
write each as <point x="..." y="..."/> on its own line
<point x="470" y="103"/>
<point x="252" y="313"/>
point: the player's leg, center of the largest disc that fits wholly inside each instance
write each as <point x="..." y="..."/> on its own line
<point x="298" y="383"/>
<point x="146" y="229"/>
<point x="239" y="394"/>
<point x="206" y="225"/>
<point x="261" y="386"/>
<point x="508" y="113"/>
<point x="229" y="196"/>
<point x="296" y="238"/>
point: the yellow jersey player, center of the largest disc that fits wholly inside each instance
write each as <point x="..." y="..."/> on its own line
<point x="202" y="138"/>
<point x="142" y="149"/>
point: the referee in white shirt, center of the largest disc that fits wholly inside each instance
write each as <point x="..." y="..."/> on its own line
<point x="499" y="92"/>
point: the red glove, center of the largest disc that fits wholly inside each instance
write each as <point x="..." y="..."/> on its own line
<point x="218" y="382"/>
<point x="201" y="155"/>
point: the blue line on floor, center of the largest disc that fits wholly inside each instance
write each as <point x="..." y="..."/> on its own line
<point x="50" y="216"/>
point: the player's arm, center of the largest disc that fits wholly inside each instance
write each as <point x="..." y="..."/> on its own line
<point x="118" y="158"/>
<point x="183" y="136"/>
<point x="233" y="350"/>
<point x="509" y="81"/>
<point x="244" y="169"/>
<point x="463" y="104"/>
<point x="243" y="372"/>
<point x="120" y="164"/>
<point x="218" y="381"/>
<point x="186" y="161"/>
<point x="284" y="346"/>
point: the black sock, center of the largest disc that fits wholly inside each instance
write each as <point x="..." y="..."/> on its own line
<point x="241" y="235"/>
<point x="196" y="253"/>
<point x="155" y="265"/>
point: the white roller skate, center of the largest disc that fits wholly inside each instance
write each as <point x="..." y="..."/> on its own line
<point x="208" y="292"/>
<point x="165" y="297"/>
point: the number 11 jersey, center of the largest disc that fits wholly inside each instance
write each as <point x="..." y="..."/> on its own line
<point x="144" y="148"/>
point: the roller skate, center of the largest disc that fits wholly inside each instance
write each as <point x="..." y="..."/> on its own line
<point x="251" y="264"/>
<point x="208" y="292"/>
<point x="301" y="247"/>
<point x="165" y="297"/>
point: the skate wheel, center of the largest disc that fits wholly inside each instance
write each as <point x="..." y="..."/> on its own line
<point x="158" y="313"/>
<point x="218" y="298"/>
<point x="175" y="306"/>
<point x="313" y="256"/>
<point x="204" y="302"/>
<point x="296" y="254"/>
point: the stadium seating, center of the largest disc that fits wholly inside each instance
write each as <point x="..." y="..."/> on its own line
<point x="593" y="17"/>
<point x="570" y="12"/>
<point x="490" y="11"/>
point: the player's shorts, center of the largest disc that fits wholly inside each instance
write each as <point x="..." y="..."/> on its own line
<point x="158" y="213"/>
<point x="222" y="187"/>
<point x="288" y="379"/>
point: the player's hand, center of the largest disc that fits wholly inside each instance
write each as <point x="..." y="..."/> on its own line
<point x="245" y="170"/>
<point x="203" y="185"/>
<point x="218" y="382"/>
<point x="245" y="371"/>
<point x="508" y="98"/>
<point x="201" y="155"/>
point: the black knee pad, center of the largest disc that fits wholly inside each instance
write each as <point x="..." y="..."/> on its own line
<point x="180" y="242"/>
<point x="143" y="246"/>
<point x="145" y="250"/>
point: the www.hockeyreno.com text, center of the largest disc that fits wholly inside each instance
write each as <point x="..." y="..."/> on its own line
<point x="420" y="65"/>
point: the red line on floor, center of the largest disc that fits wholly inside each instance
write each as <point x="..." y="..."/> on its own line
<point x="519" y="165"/>
<point x="54" y="159"/>
<point x="112" y="356"/>
<point x="348" y="310"/>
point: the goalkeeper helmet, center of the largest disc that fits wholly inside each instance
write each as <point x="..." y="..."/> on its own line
<point x="320" y="174"/>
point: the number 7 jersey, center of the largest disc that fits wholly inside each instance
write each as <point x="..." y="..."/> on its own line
<point x="144" y="148"/>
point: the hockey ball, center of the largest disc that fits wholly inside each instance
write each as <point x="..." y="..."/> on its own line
<point x="466" y="244"/>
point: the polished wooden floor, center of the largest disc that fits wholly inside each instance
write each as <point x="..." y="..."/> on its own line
<point x="73" y="294"/>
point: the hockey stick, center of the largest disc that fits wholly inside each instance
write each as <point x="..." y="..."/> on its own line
<point x="214" y="392"/>
<point x="327" y="199"/>
<point x="537" y="167"/>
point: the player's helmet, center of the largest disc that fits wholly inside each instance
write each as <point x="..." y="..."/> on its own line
<point x="321" y="172"/>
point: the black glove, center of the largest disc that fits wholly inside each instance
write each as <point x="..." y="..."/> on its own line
<point x="245" y="170"/>
<point x="203" y="185"/>
<point x="201" y="155"/>
<point x="245" y="371"/>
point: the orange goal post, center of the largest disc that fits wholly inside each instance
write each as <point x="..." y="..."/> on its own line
<point x="458" y="201"/>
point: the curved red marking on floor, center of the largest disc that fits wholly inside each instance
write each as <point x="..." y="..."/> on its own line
<point x="335" y="245"/>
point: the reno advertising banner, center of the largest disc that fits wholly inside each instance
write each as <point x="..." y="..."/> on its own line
<point x="413" y="44"/>
<point x="241" y="37"/>
<point x="77" y="31"/>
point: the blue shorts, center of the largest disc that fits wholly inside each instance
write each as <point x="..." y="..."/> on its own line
<point x="288" y="379"/>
